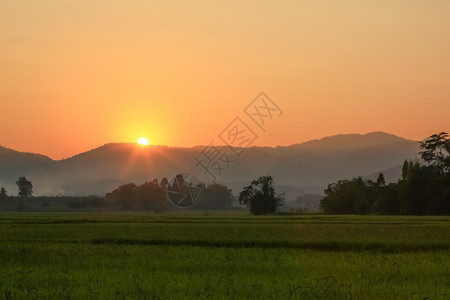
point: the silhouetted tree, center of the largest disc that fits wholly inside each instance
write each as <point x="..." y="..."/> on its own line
<point x="387" y="201"/>
<point x="124" y="196"/>
<point x="405" y="169"/>
<point x="381" y="180"/>
<point x="418" y="190"/>
<point x="260" y="196"/>
<point x="165" y="183"/>
<point x="178" y="189"/>
<point x="216" y="196"/>
<point x="178" y="183"/>
<point x="348" y="197"/>
<point x="437" y="156"/>
<point x="3" y="195"/>
<point x="436" y="152"/>
<point x="25" y="187"/>
<point x="422" y="189"/>
<point x="151" y="195"/>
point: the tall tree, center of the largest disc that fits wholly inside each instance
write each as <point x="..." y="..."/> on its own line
<point x="3" y="195"/>
<point x="164" y="183"/>
<point x="25" y="187"/>
<point x="260" y="196"/>
<point x="436" y="152"/>
<point x="381" y="180"/>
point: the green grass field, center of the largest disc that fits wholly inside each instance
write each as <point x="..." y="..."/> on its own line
<point x="222" y="256"/>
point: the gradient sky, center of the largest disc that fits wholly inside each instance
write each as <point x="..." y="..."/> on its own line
<point x="78" y="74"/>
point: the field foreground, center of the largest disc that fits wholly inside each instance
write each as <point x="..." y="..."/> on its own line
<point x="201" y="256"/>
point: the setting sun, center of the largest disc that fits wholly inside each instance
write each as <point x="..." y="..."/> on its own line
<point x="143" y="141"/>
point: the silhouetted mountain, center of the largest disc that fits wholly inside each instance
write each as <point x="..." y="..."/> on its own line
<point x="15" y="161"/>
<point x="302" y="168"/>
<point x="349" y="142"/>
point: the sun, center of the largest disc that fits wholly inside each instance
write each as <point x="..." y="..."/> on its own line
<point x="143" y="141"/>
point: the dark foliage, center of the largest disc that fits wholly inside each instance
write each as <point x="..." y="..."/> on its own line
<point x="3" y="195"/>
<point x="25" y="187"/>
<point x="148" y="196"/>
<point x="84" y="202"/>
<point x="21" y="206"/>
<point x="436" y="152"/>
<point x="216" y="197"/>
<point x="260" y="196"/>
<point x="423" y="189"/>
<point x="153" y="195"/>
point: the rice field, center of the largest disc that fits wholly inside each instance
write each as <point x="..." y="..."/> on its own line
<point x="222" y="256"/>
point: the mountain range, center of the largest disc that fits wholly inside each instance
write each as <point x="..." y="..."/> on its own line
<point x="298" y="169"/>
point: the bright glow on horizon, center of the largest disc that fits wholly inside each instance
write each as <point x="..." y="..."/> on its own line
<point x="143" y="141"/>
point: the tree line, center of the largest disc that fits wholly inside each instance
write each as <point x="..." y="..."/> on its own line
<point x="422" y="189"/>
<point x="151" y="195"/>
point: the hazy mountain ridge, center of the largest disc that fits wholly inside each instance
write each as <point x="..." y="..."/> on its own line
<point x="4" y="151"/>
<point x="351" y="141"/>
<point x="307" y="167"/>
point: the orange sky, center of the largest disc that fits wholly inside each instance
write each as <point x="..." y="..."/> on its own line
<point x="78" y="74"/>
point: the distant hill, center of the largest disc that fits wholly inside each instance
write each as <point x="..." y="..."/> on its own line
<point x="348" y="142"/>
<point x="301" y="168"/>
